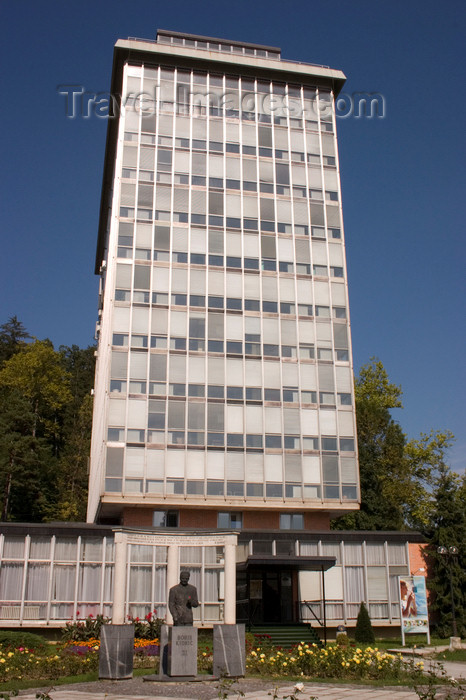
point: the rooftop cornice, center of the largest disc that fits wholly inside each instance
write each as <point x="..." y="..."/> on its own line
<point x="256" y="64"/>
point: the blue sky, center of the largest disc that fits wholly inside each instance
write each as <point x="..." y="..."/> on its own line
<point x="403" y="177"/>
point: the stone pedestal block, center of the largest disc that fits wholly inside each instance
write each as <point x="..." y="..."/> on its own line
<point x="229" y="650"/>
<point x="116" y="652"/>
<point x="163" y="651"/>
<point x="182" y="651"/>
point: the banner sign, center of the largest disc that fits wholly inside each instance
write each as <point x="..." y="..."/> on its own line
<point x="413" y="605"/>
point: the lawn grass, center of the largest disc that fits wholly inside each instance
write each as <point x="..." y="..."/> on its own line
<point x="411" y="640"/>
<point x="65" y="680"/>
<point x="48" y="683"/>
<point x="456" y="655"/>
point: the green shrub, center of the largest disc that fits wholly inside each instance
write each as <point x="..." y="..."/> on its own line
<point x="14" y="639"/>
<point x="83" y="630"/>
<point x="342" y="639"/>
<point x="149" y="628"/>
<point x="363" y="633"/>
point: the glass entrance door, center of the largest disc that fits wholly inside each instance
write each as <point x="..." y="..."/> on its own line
<point x="271" y="597"/>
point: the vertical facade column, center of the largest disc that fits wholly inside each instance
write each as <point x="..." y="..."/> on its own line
<point x="172" y="573"/>
<point x="119" y="586"/>
<point x="229" y="615"/>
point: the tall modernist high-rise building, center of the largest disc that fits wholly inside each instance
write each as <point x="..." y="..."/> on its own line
<point x="224" y="393"/>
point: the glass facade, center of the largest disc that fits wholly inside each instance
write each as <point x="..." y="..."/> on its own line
<point x="48" y="579"/>
<point x="225" y="338"/>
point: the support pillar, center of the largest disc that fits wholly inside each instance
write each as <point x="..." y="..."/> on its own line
<point x="229" y="614"/>
<point x="172" y="573"/>
<point x="119" y="587"/>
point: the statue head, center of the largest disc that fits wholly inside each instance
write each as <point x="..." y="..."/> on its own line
<point x="184" y="578"/>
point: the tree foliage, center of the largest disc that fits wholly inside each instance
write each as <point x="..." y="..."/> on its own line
<point x="45" y="426"/>
<point x="396" y="475"/>
<point x="381" y="444"/>
<point x="363" y="633"/>
<point x="38" y="373"/>
<point x="447" y="528"/>
<point x="12" y="337"/>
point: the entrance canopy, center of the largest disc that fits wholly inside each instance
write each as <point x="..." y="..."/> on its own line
<point x="288" y="562"/>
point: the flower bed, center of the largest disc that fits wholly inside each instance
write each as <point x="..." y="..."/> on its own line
<point x="23" y="663"/>
<point x="146" y="647"/>
<point x="330" y="662"/>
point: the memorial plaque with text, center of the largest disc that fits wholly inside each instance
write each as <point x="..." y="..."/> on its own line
<point x="182" y="651"/>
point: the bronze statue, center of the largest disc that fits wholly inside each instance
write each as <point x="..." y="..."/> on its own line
<point x="181" y="600"/>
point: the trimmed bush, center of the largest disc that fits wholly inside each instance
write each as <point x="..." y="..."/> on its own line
<point x="364" y="634"/>
<point x="13" y="639"/>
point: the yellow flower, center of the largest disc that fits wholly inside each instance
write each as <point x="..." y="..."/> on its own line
<point x="262" y="656"/>
<point x="10" y="654"/>
<point x="285" y="664"/>
<point x="2" y="661"/>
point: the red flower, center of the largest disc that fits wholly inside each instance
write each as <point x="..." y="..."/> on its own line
<point x="149" y="616"/>
<point x="77" y="612"/>
<point x="136" y="619"/>
<point x="90" y="616"/>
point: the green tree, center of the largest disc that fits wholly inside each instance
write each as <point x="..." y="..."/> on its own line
<point x="397" y="476"/>
<point x="72" y="479"/>
<point x="363" y="633"/>
<point x="80" y="364"/>
<point x="12" y="337"/>
<point x="384" y="471"/>
<point x="45" y="428"/>
<point x="27" y="464"/>
<point x="447" y="573"/>
<point x="38" y="373"/>
<point x="426" y="458"/>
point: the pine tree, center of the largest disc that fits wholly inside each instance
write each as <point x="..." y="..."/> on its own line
<point x="363" y="633"/>
<point x="27" y="464"/>
<point x="12" y="337"/>
<point x="447" y="572"/>
<point x="381" y="443"/>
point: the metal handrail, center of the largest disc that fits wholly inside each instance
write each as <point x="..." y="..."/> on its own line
<point x="307" y="604"/>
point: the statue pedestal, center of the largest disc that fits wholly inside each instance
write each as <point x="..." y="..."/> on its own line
<point x="229" y="651"/>
<point x="178" y="654"/>
<point x="182" y="651"/>
<point x="116" y="652"/>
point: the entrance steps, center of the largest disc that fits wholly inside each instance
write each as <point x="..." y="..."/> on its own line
<point x="286" y="635"/>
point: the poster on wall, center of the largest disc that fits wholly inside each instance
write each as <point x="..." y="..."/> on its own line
<point x="413" y="605"/>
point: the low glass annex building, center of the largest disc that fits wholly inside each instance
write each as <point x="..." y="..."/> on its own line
<point x="57" y="572"/>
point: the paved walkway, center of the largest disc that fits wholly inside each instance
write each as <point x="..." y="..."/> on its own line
<point x="311" y="690"/>
<point x="254" y="689"/>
